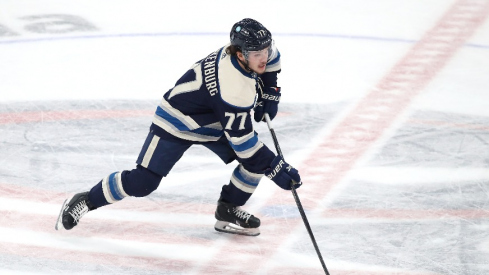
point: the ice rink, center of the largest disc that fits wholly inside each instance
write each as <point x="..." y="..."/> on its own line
<point x="384" y="111"/>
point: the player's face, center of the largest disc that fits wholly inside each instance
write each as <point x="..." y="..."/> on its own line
<point x="257" y="60"/>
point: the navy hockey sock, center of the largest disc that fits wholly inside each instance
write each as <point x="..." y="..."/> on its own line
<point x="138" y="182"/>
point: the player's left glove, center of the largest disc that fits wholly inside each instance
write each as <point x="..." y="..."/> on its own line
<point x="283" y="174"/>
<point x="268" y="99"/>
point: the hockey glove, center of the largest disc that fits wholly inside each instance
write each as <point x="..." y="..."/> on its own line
<point x="268" y="99"/>
<point x="283" y="174"/>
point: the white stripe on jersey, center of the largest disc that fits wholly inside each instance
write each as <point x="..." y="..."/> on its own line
<point x="165" y="125"/>
<point x="189" y="86"/>
<point x="242" y="139"/>
<point x="188" y="121"/>
<point x="250" y="151"/>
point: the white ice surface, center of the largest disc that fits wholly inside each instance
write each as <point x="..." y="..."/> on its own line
<point x="415" y="201"/>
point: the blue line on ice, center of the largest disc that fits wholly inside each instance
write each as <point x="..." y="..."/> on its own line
<point x="162" y="34"/>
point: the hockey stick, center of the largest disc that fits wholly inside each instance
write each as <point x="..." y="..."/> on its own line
<point x="296" y="198"/>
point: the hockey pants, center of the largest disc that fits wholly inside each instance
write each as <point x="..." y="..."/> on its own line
<point x="157" y="158"/>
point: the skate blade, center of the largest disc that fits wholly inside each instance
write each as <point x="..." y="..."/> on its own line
<point x="59" y="222"/>
<point x="231" y="228"/>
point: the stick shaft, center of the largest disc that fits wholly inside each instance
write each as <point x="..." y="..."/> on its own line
<point x="297" y="200"/>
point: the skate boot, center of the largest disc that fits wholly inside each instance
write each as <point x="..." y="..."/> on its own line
<point x="232" y="219"/>
<point x="72" y="211"/>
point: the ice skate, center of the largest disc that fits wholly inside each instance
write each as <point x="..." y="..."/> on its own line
<point x="72" y="211"/>
<point x="232" y="219"/>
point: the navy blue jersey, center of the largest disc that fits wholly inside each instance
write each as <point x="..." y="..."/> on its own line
<point x="215" y="98"/>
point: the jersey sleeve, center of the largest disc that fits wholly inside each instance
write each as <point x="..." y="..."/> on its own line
<point x="269" y="78"/>
<point x="273" y="63"/>
<point x="232" y="105"/>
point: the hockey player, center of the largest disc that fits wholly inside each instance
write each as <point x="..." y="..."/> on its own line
<point x="210" y="105"/>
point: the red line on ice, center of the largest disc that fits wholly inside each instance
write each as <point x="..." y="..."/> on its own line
<point x="103" y="259"/>
<point x="323" y="170"/>
<point x="303" y="271"/>
<point x="140" y="204"/>
<point x="343" y="147"/>
<point x="407" y="214"/>
<point x="109" y="229"/>
<point x="49" y="116"/>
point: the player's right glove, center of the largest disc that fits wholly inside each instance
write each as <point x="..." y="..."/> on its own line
<point x="283" y="174"/>
<point x="268" y="99"/>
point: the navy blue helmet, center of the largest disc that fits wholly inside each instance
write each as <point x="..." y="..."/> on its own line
<point x="250" y="35"/>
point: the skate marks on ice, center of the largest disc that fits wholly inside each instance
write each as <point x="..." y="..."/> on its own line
<point x="53" y="150"/>
<point x="420" y="202"/>
<point x="360" y="225"/>
<point x="378" y="222"/>
<point x="379" y="114"/>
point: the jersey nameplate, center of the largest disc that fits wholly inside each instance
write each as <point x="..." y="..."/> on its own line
<point x="210" y="73"/>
